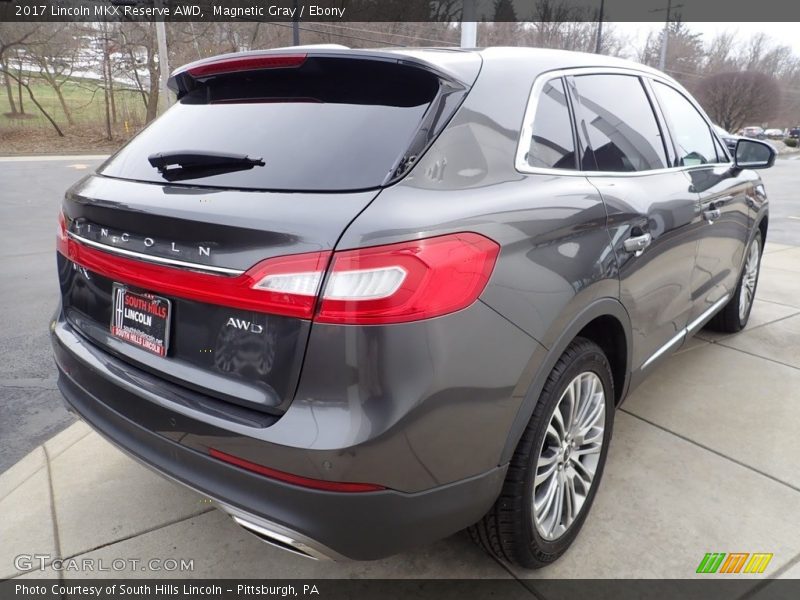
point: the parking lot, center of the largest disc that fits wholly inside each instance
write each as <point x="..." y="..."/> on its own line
<point x="704" y="456"/>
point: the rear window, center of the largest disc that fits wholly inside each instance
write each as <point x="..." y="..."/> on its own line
<point x="331" y="124"/>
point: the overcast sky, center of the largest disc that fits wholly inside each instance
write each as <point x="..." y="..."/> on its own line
<point x="787" y="34"/>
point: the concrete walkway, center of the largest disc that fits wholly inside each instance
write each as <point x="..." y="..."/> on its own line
<point x="704" y="459"/>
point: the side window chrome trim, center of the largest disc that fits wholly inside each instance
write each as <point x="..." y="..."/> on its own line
<point x="526" y="132"/>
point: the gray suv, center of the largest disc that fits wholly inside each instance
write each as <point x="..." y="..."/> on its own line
<point x="364" y="299"/>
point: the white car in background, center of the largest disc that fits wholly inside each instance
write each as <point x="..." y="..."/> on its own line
<point x="753" y="132"/>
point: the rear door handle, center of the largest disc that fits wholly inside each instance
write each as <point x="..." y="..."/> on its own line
<point x="638" y="243"/>
<point x="721" y="201"/>
<point x="711" y="215"/>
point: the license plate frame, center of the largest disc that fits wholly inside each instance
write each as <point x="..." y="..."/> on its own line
<point x="141" y="319"/>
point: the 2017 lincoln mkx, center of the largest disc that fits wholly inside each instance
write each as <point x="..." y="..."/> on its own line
<point x="365" y="299"/>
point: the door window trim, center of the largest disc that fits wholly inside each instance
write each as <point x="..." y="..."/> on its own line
<point x="526" y="131"/>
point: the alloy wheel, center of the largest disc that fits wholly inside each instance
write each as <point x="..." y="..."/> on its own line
<point x="749" y="279"/>
<point x="570" y="453"/>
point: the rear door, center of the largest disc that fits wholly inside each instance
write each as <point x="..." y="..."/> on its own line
<point x="650" y="207"/>
<point x="723" y="217"/>
<point x="166" y="268"/>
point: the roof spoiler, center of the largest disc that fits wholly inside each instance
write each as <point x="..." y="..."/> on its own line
<point x="186" y="78"/>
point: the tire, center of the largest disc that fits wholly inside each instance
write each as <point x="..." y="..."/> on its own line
<point x="510" y="530"/>
<point x="734" y="316"/>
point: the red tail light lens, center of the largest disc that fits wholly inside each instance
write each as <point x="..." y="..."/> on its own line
<point x="407" y="281"/>
<point x="308" y="482"/>
<point x="395" y="283"/>
<point x="247" y="63"/>
<point x="242" y="291"/>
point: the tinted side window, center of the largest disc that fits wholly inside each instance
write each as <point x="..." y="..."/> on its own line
<point x="693" y="139"/>
<point x="552" y="145"/>
<point x="622" y="128"/>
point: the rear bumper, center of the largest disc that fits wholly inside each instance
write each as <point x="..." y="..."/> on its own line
<point x="359" y="526"/>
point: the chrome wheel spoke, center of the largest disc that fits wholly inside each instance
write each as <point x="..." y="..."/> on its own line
<point x="592" y="446"/>
<point x="558" y="508"/>
<point x="546" y="468"/>
<point x="552" y="436"/>
<point x="571" y="499"/>
<point x="749" y="279"/>
<point x="583" y="474"/>
<point x="557" y="425"/>
<point x="593" y="415"/>
<point x="544" y="506"/>
<point x="587" y="404"/>
<point x="568" y="458"/>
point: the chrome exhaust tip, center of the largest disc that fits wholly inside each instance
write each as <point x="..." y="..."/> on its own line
<point x="280" y="536"/>
<point x="275" y="539"/>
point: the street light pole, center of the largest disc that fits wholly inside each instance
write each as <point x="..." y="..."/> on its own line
<point x="599" y="44"/>
<point x="662" y="62"/>
<point x="469" y="26"/>
<point x="164" y="97"/>
<point x="295" y="27"/>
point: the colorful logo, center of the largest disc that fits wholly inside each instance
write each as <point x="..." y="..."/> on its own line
<point x="734" y="562"/>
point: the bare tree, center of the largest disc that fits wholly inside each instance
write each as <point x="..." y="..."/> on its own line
<point x="720" y="53"/>
<point x="7" y="85"/>
<point x="54" y="51"/>
<point x="12" y="37"/>
<point x="27" y="86"/>
<point x="736" y="98"/>
<point x="685" y="51"/>
<point x="18" y="55"/>
<point x="137" y="51"/>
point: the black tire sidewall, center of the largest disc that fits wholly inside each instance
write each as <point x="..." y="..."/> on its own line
<point x="591" y="358"/>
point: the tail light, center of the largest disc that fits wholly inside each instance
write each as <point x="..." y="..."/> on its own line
<point x="246" y="63"/>
<point x="185" y="78"/>
<point x="394" y="283"/>
<point x="407" y="281"/>
<point x="279" y="286"/>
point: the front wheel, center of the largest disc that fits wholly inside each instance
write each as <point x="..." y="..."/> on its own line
<point x="556" y="469"/>
<point x="736" y="313"/>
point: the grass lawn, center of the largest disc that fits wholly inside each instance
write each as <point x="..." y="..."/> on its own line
<point x="85" y="100"/>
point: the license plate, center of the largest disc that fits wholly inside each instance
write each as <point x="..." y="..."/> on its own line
<point x="141" y="319"/>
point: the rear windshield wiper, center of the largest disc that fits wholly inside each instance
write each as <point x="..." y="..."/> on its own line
<point x="199" y="160"/>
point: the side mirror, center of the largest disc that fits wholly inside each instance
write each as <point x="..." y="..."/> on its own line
<point x="753" y="154"/>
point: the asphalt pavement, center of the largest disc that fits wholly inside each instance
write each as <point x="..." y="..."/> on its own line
<point x="30" y="405"/>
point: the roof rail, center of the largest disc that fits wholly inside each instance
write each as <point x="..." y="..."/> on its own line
<point x="314" y="47"/>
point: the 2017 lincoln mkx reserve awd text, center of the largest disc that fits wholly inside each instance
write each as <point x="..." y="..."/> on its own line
<point x="365" y="299"/>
